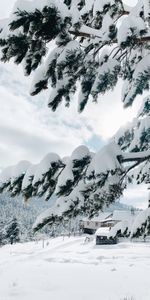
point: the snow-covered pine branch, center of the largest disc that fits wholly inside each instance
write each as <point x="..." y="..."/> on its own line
<point x="82" y="183"/>
<point x="134" y="140"/>
<point x="96" y="43"/>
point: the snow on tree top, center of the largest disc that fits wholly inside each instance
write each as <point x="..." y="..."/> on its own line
<point x="144" y="109"/>
<point x="107" y="67"/>
<point x="40" y="73"/>
<point x="100" y="4"/>
<point x="20" y="169"/>
<point x="72" y="45"/>
<point x="45" y="165"/>
<point x="66" y="174"/>
<point x="6" y="174"/>
<point x="29" y="174"/>
<point x="87" y="7"/>
<point x="14" y="172"/>
<point x="80" y="152"/>
<point x="130" y="24"/>
<point x="143" y="66"/>
<point x="75" y="12"/>
<point x="140" y="220"/>
<point x="146" y="6"/>
<point x="107" y="22"/>
<point x="105" y="160"/>
<point x="121" y="226"/>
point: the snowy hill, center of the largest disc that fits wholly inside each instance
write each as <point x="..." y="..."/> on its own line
<point x="69" y="268"/>
<point x="26" y="213"/>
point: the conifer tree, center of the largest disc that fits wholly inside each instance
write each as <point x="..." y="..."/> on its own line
<point x="2" y="236"/>
<point x="12" y="231"/>
<point x="96" y="44"/>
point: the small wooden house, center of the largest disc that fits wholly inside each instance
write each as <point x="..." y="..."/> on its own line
<point x="90" y="226"/>
<point x="104" y="219"/>
<point x="102" y="237"/>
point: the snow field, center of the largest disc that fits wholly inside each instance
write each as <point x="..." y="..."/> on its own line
<point x="68" y="268"/>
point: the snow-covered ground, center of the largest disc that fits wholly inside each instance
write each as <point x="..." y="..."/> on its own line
<point x="71" y="269"/>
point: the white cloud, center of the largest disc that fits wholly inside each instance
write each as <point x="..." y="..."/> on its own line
<point x="6" y="7"/>
<point x="136" y="196"/>
<point x="108" y="115"/>
<point x="28" y="129"/>
<point x="26" y="121"/>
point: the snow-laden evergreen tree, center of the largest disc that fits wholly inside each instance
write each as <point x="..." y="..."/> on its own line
<point x="12" y="231"/>
<point x="137" y="226"/>
<point x="91" y="44"/>
<point x="2" y="232"/>
<point x="26" y="213"/>
<point x="141" y="226"/>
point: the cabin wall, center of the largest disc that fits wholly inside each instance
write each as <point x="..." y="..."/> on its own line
<point x="94" y="225"/>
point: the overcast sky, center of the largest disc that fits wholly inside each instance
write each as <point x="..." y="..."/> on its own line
<point x="29" y="130"/>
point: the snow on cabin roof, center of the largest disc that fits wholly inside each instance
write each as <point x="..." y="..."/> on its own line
<point x="102" y="231"/>
<point x="108" y="220"/>
<point x="116" y="215"/>
<point x="100" y="218"/>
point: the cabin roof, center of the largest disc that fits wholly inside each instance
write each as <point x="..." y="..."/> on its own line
<point x="116" y="215"/>
<point x="100" y="218"/>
